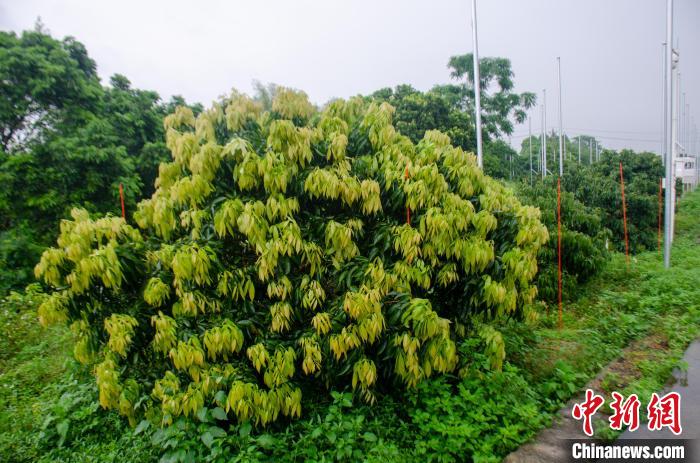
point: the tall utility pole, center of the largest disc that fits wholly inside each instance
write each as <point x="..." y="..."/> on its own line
<point x="477" y="90"/>
<point x="561" y="127"/>
<point x="686" y="131"/>
<point x="529" y="138"/>
<point x="678" y="103"/>
<point x="668" y="110"/>
<point x="590" y="152"/>
<point x="544" y="128"/>
<point x="579" y="149"/>
<point x="681" y="122"/>
<point x="596" y="150"/>
<point x="542" y="170"/>
<point x="675" y="138"/>
<point x="664" y="133"/>
<point x="694" y="149"/>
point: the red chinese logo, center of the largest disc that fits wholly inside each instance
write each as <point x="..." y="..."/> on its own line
<point x="625" y="412"/>
<point x="665" y="412"/>
<point x="587" y="409"/>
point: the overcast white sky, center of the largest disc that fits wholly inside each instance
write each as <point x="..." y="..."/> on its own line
<point x="610" y="49"/>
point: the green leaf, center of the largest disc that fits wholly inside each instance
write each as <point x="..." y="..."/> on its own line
<point x="369" y="437"/>
<point x="142" y="426"/>
<point x="245" y="429"/>
<point x="219" y="413"/>
<point x="220" y="397"/>
<point x="266" y="441"/>
<point x="216" y="431"/>
<point x="62" y="430"/>
<point x="202" y="415"/>
<point x="208" y="439"/>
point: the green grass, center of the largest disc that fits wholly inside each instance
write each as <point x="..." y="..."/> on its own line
<point x="48" y="408"/>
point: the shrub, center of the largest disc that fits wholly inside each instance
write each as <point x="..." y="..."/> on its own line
<point x="290" y="250"/>
<point x="18" y="321"/>
<point x="584" y="238"/>
<point x="598" y="186"/>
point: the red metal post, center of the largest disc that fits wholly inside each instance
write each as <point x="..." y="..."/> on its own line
<point x="121" y="196"/>
<point x="408" y="209"/>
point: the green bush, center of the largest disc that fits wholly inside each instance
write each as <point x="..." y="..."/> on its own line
<point x="291" y="250"/>
<point x="479" y="419"/>
<point x="584" y="239"/>
<point x="18" y="321"/>
<point x="598" y="186"/>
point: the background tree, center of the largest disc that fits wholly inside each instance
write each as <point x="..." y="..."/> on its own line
<point x="450" y="109"/>
<point x="44" y="84"/>
<point x="500" y="104"/>
<point x="66" y="140"/>
<point x="598" y="186"/>
<point x="437" y="109"/>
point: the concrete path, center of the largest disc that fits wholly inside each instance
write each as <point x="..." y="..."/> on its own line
<point x="547" y="446"/>
<point x="687" y="384"/>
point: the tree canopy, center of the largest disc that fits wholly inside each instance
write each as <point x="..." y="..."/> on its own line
<point x="66" y="140"/>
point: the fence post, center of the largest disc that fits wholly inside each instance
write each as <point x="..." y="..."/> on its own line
<point x="624" y="216"/>
<point x="121" y="197"/>
<point x="561" y="323"/>
<point x="408" y="209"/>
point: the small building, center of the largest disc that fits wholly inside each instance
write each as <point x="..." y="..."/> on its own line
<point x="686" y="170"/>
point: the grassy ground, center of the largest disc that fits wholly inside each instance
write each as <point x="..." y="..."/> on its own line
<point x="48" y="408"/>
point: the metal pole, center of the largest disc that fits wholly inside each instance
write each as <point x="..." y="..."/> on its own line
<point x="678" y="104"/>
<point x="561" y="127"/>
<point x="541" y="140"/>
<point x="543" y="171"/>
<point x="681" y="123"/>
<point x="665" y="116"/>
<point x="579" y="149"/>
<point x="477" y="90"/>
<point x="590" y="152"/>
<point x="676" y="145"/>
<point x="544" y="100"/>
<point x="669" y="111"/>
<point x="529" y="138"/>
<point x="596" y="150"/>
<point x="694" y="149"/>
<point x="697" y="155"/>
<point x="686" y="131"/>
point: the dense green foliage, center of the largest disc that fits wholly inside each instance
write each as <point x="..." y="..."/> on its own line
<point x="598" y="186"/>
<point x="449" y="108"/>
<point x="66" y="141"/>
<point x="584" y="239"/>
<point x="48" y="411"/>
<point x="274" y="262"/>
<point x="271" y="254"/>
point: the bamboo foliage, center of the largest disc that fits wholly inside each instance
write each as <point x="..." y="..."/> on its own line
<point x="276" y="257"/>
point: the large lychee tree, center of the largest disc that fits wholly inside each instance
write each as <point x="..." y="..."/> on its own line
<point x="290" y="251"/>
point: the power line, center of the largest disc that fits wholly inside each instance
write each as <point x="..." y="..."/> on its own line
<point x="613" y="131"/>
<point x="602" y="137"/>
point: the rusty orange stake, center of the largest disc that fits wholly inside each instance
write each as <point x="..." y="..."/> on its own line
<point x="121" y="196"/>
<point x="408" y="209"/>
<point x="561" y="322"/>
<point x="624" y="216"/>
